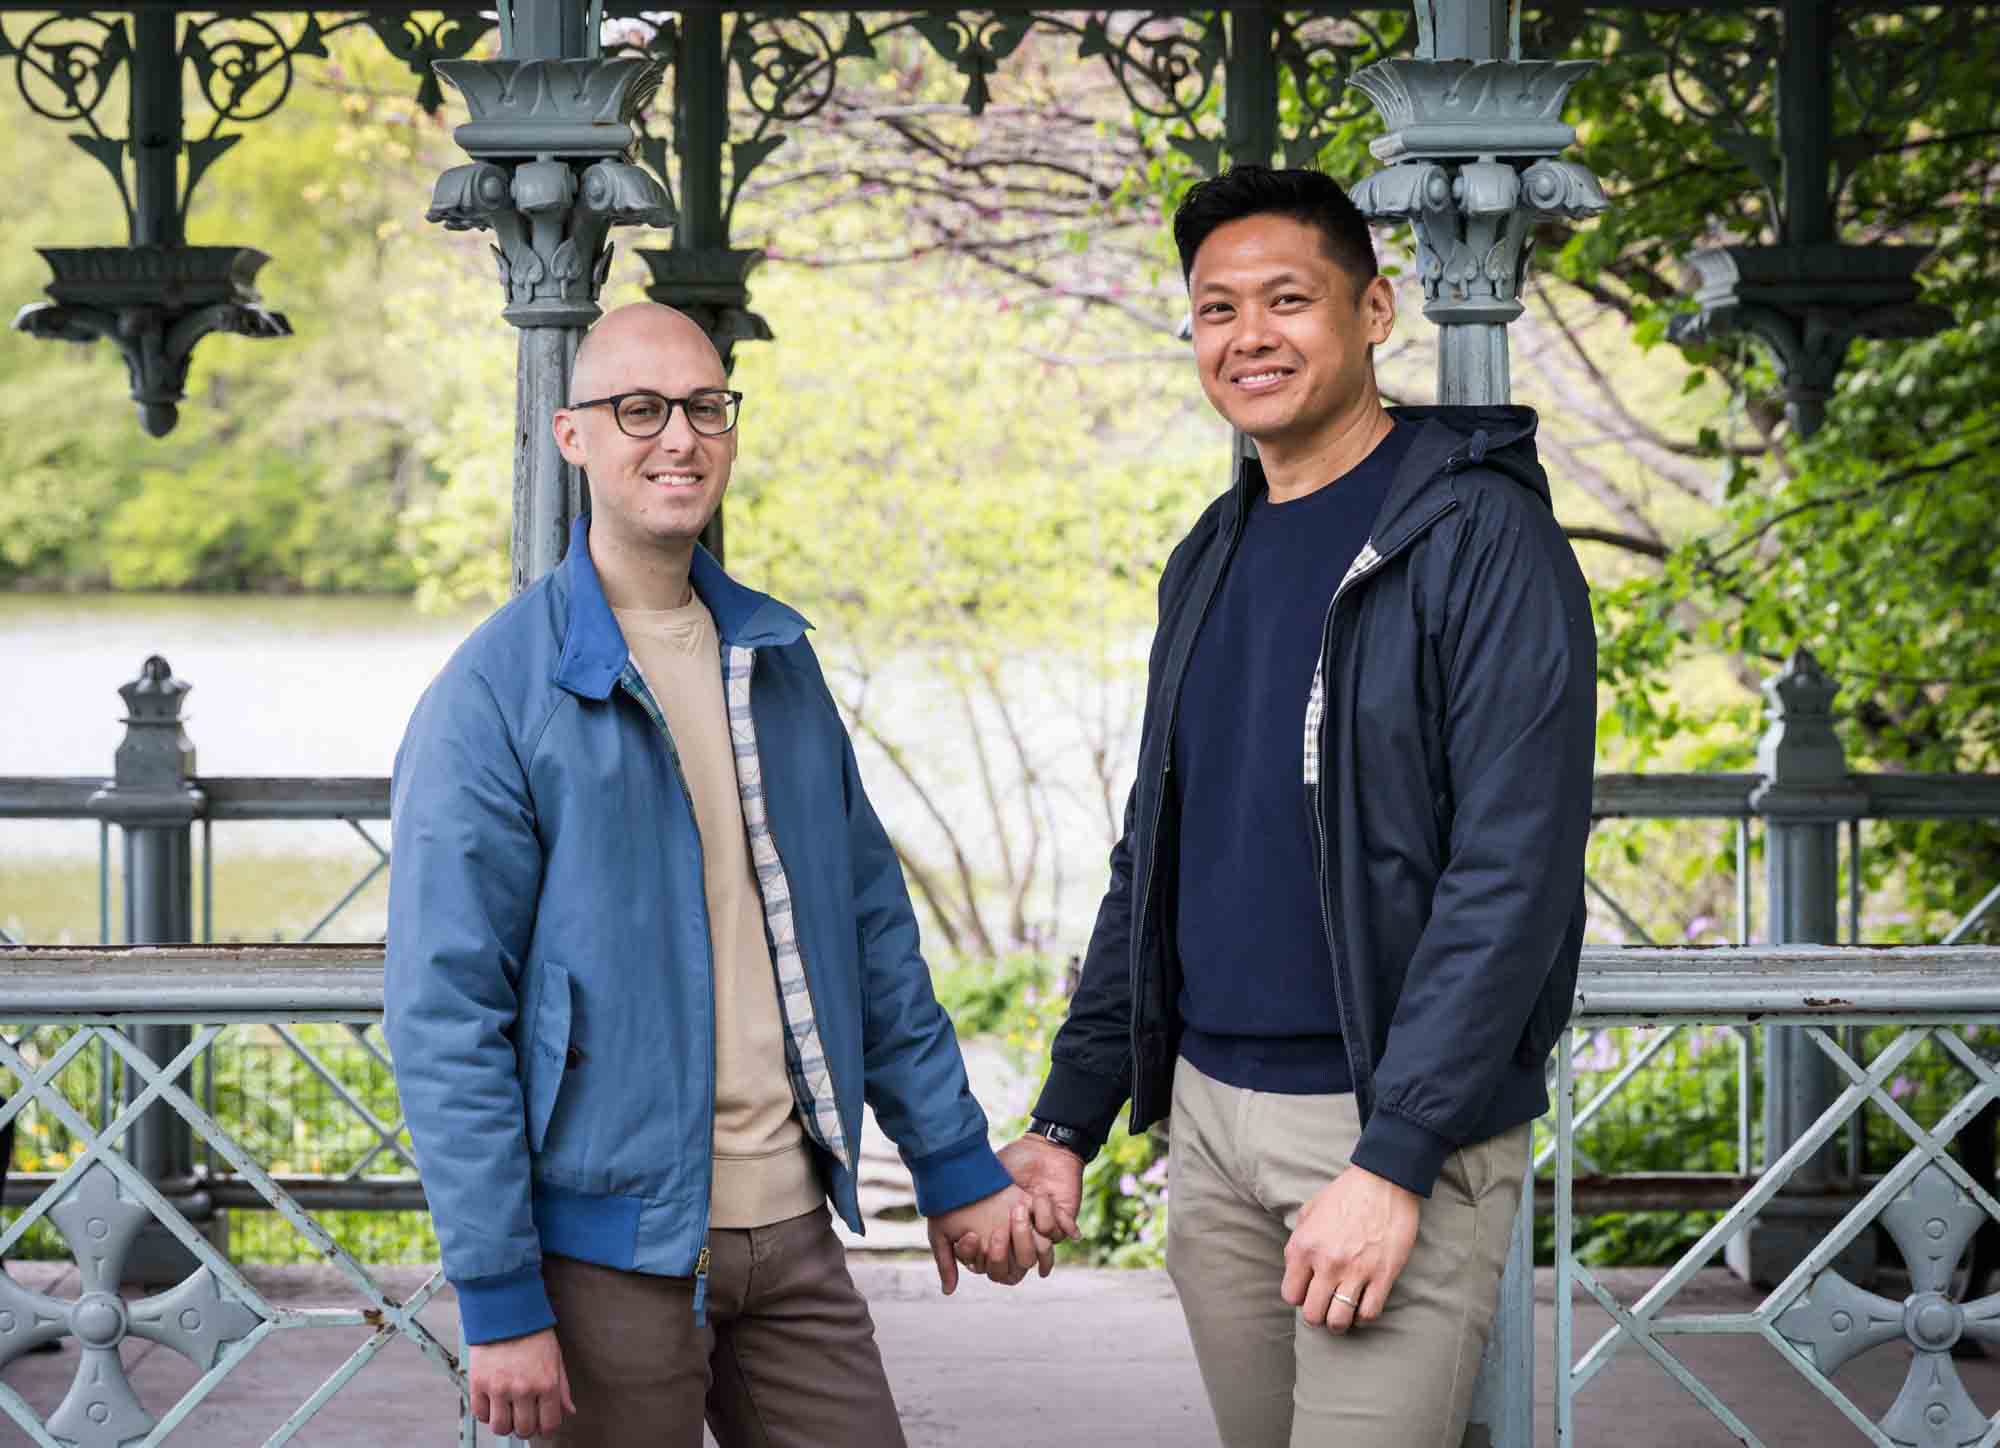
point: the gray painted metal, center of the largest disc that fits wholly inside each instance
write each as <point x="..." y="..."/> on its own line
<point x="105" y="1206"/>
<point x="1805" y="793"/>
<point x="223" y="797"/>
<point x="1250" y="87"/>
<point x="551" y="124"/>
<point x="1815" y="1317"/>
<point x="156" y="297"/>
<point x="1474" y="145"/>
<point x="1473" y="132"/>
<point x="197" y="1319"/>
<point x="1615" y="796"/>
<point x="1808" y="296"/>
<point x="154" y="804"/>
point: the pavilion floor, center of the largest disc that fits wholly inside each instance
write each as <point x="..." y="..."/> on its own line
<point x="1092" y="1356"/>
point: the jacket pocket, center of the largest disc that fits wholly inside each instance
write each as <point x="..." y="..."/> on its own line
<point x="548" y="1049"/>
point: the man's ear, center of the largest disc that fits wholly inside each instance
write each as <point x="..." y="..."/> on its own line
<point x="1378" y="308"/>
<point x="568" y="441"/>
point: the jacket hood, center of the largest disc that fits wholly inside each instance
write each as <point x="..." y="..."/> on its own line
<point x="593" y="650"/>
<point x="1450" y="440"/>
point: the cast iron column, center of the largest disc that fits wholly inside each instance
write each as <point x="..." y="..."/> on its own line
<point x="701" y="274"/>
<point x="550" y="129"/>
<point x="154" y="802"/>
<point x="1805" y="796"/>
<point x="1473" y="136"/>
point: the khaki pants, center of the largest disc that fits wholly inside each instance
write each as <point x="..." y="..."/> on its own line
<point x="1241" y="1166"/>
<point x="786" y="1360"/>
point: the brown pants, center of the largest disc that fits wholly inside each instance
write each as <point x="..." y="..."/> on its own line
<point x="786" y="1360"/>
<point x="1241" y="1166"/>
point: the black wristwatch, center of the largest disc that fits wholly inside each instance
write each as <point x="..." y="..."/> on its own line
<point x="1066" y="1137"/>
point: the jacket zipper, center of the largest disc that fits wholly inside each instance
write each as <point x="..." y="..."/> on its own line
<point x="680" y="777"/>
<point x="1160" y="794"/>
<point x="1363" y="1082"/>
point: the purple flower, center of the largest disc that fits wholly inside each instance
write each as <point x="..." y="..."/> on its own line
<point x="1900" y="1087"/>
<point x="1711" y="1038"/>
<point x="1156" y="1174"/>
<point x="1599" y="1055"/>
<point x="1128" y="1185"/>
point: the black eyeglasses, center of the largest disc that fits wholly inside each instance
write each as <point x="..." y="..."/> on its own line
<point x="710" y="411"/>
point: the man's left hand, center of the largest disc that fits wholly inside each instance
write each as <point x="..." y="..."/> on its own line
<point x="994" y="1236"/>
<point x="1349" y="1247"/>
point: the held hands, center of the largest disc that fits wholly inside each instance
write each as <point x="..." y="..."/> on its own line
<point x="1040" y="1209"/>
<point x="993" y="1236"/>
<point x="1053" y="1177"/>
<point x="1351" y="1243"/>
<point x="519" y="1385"/>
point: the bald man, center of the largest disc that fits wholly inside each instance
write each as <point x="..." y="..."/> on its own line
<point x="649" y="950"/>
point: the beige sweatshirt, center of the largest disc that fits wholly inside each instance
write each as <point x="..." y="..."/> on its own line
<point x="764" y="1171"/>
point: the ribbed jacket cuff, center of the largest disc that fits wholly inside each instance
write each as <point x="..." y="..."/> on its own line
<point x="1396" y="1148"/>
<point x="964" y="1172"/>
<point x="1081" y="1100"/>
<point x="512" y="1304"/>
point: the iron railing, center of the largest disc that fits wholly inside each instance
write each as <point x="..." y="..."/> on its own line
<point x="1927" y="1203"/>
<point x="1816" y="1319"/>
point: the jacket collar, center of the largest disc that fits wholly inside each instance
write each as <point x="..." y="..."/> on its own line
<point x="594" y="652"/>
<point x="1448" y="439"/>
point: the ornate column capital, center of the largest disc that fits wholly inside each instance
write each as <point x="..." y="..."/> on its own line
<point x="1473" y="146"/>
<point x="548" y="176"/>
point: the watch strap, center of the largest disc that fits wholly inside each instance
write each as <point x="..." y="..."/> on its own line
<point x="1066" y="1137"/>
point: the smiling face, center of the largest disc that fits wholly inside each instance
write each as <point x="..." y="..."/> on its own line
<point x="655" y="492"/>
<point x="1282" y="332"/>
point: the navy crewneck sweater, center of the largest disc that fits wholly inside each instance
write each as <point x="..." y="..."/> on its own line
<point x="1257" y="994"/>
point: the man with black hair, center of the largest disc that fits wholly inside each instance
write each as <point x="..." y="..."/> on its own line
<point x="1341" y="968"/>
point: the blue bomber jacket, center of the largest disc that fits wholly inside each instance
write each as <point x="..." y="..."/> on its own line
<point x="549" y="994"/>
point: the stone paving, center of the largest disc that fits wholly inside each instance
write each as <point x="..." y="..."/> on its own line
<point x="1091" y="1357"/>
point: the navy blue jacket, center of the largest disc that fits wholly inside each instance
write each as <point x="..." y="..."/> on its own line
<point x="1448" y="780"/>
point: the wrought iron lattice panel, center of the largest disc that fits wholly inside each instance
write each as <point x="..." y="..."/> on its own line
<point x="215" y="1317"/>
<point x="1815" y="1319"/>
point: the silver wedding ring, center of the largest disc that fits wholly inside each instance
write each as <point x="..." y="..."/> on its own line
<point x="1343" y="1297"/>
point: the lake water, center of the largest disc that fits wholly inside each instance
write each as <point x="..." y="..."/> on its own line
<point x="318" y="685"/>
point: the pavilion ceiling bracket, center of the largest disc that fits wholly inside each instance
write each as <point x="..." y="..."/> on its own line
<point x="1318" y="57"/>
<point x="420" y="45"/>
<point x="156" y="297"/>
<point x="1772" y="92"/>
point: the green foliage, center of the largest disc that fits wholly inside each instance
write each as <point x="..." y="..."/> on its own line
<point x="1123" y="1220"/>
<point x="298" y="461"/>
<point x="282" y="1113"/>
<point x="1014" y="999"/>
<point x="1677" y="1114"/>
<point x="1018" y="1003"/>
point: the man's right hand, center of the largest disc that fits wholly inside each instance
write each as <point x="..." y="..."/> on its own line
<point x="1052" y="1176"/>
<point x="519" y="1385"/>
